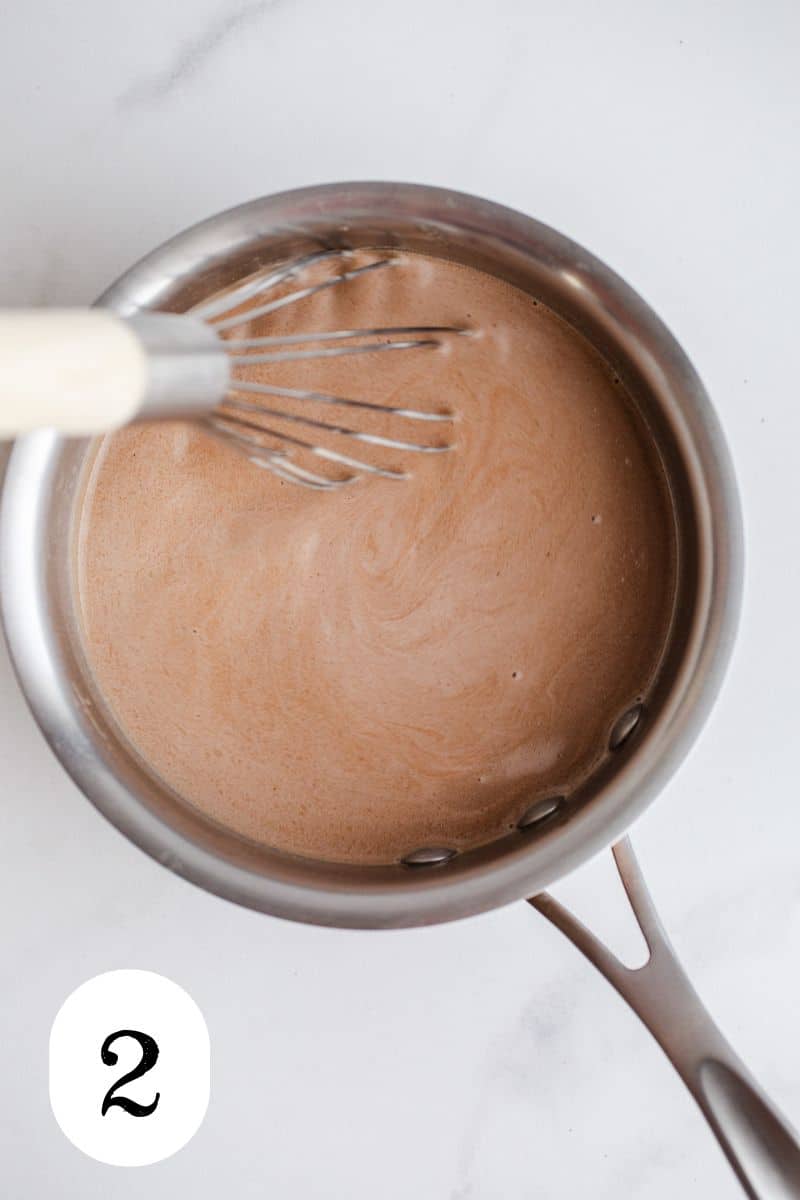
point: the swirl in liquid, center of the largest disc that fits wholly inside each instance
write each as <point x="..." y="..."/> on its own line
<point x="353" y="675"/>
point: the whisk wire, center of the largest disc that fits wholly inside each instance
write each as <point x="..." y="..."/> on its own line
<point x="358" y="435"/>
<point x="271" y="389"/>
<point x="325" y="452"/>
<point x="243" y="422"/>
<point x="275" y="461"/>
<point x="336" y="352"/>
<point x="264" y="310"/>
<point x="259" y="283"/>
<point x="338" y="335"/>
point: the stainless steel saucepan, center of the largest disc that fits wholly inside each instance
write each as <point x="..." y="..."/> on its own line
<point x="42" y="493"/>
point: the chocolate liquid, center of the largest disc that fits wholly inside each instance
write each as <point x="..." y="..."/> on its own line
<point x="356" y="674"/>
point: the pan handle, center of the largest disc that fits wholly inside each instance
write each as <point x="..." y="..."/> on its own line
<point x="760" y="1145"/>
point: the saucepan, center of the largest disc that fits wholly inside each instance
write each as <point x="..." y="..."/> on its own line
<point x="432" y="883"/>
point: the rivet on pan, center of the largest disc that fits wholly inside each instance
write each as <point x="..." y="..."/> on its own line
<point x="539" y="811"/>
<point x="429" y="856"/>
<point x="625" y="726"/>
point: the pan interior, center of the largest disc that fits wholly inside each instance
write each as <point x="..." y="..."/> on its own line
<point x="388" y="668"/>
<point x="43" y="498"/>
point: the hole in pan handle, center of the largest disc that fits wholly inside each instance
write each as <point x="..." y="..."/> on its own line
<point x="759" y="1143"/>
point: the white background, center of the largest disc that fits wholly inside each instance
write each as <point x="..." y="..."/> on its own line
<point x="480" y="1060"/>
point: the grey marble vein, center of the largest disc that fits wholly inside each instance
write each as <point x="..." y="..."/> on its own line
<point x="192" y="56"/>
<point x="516" y="1058"/>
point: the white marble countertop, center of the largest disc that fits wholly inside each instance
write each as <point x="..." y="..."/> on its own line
<point x="483" y="1059"/>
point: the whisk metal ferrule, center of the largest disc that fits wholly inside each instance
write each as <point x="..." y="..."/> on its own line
<point x="188" y="367"/>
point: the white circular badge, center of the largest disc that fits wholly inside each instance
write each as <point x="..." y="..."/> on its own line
<point x="130" y="1068"/>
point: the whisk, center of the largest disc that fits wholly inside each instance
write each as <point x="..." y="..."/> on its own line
<point x="87" y="371"/>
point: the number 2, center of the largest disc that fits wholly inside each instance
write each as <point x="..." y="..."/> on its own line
<point x="148" y="1060"/>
